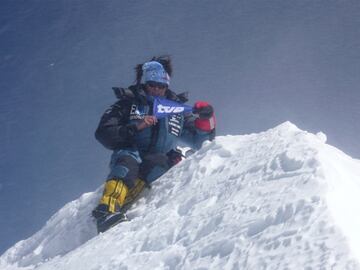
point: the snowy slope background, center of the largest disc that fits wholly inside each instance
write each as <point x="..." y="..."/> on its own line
<point x="280" y="199"/>
<point x="260" y="63"/>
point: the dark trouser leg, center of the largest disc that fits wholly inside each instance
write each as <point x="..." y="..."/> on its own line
<point x="153" y="166"/>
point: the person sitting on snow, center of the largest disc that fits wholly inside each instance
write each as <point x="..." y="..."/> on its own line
<point x="143" y="143"/>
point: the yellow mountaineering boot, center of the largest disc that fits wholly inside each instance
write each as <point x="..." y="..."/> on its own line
<point x="114" y="195"/>
<point x="134" y="192"/>
<point x="109" y="211"/>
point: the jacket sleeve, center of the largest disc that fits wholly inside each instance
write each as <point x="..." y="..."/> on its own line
<point x="193" y="136"/>
<point x="114" y="130"/>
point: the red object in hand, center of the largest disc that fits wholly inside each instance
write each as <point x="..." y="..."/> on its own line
<point x="206" y="120"/>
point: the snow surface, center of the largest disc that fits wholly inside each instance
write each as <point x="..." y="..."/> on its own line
<point x="280" y="199"/>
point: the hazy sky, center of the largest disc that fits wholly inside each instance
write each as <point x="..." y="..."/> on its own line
<point x="259" y="63"/>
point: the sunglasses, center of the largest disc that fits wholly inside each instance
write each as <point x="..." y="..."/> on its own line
<point x="156" y="85"/>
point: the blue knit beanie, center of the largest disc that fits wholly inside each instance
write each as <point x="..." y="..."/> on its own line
<point x="154" y="71"/>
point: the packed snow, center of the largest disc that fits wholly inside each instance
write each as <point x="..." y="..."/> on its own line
<point x="280" y="199"/>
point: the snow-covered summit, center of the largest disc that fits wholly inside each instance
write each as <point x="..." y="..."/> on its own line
<point x="280" y="199"/>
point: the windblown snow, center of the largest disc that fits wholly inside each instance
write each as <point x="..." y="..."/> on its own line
<point x="280" y="199"/>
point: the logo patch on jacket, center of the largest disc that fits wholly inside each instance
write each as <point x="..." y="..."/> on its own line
<point x="175" y="124"/>
<point x="138" y="112"/>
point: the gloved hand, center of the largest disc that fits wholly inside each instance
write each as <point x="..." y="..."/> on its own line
<point x="206" y="118"/>
<point x="203" y="109"/>
<point x="174" y="157"/>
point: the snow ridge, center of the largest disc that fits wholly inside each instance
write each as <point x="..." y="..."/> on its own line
<point x="257" y="201"/>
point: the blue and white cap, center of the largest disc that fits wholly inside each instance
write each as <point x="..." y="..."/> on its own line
<point x="154" y="71"/>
